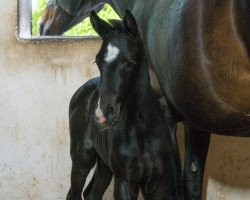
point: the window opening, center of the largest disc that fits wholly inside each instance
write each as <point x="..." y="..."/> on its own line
<point x="30" y="12"/>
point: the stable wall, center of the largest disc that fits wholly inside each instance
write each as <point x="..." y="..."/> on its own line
<point x="37" y="80"/>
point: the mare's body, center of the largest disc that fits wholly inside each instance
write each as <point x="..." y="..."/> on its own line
<point x="199" y="51"/>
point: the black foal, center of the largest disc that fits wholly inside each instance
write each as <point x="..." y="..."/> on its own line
<point x="117" y="122"/>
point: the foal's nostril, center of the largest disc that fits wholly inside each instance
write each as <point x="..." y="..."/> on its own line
<point x="110" y="110"/>
<point x="110" y="114"/>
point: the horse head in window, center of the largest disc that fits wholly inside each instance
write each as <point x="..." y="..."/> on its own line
<point x="61" y="15"/>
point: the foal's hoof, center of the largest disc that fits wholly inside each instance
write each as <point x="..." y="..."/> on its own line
<point x="72" y="197"/>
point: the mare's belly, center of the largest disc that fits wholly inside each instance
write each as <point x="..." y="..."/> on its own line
<point x="195" y="71"/>
<point x="214" y="105"/>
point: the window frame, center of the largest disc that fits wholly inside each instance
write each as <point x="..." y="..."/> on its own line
<point x="24" y="32"/>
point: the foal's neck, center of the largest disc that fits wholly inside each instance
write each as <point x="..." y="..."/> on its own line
<point x="143" y="94"/>
<point x="143" y="105"/>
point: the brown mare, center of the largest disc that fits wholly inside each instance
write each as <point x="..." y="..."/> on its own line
<point x="199" y="51"/>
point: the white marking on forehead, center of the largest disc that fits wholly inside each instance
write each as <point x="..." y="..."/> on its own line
<point x="112" y="53"/>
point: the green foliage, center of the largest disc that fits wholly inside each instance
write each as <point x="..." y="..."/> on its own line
<point x="38" y="7"/>
<point x="82" y="29"/>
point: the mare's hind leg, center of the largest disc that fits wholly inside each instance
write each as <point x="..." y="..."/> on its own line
<point x="99" y="182"/>
<point x="196" y="148"/>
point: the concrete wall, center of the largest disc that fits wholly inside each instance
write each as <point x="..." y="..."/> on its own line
<point x="37" y="81"/>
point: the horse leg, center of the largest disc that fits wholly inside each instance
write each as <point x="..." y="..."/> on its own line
<point x="196" y="148"/>
<point x="99" y="182"/>
<point x="81" y="166"/>
<point x="123" y="192"/>
<point x="175" y="163"/>
<point x="83" y="156"/>
<point x="163" y="191"/>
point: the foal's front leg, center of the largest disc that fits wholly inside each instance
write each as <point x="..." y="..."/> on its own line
<point x="122" y="190"/>
<point x="99" y="183"/>
<point x="81" y="167"/>
<point x="197" y="143"/>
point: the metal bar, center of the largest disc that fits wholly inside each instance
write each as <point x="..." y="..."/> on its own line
<point x="24" y="17"/>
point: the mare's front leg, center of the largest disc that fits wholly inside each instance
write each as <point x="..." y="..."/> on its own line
<point x="175" y="163"/>
<point x="196" y="148"/>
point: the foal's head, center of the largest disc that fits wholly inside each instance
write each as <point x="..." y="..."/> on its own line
<point x="118" y="61"/>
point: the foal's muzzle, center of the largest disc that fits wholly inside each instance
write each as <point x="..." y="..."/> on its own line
<point x="109" y="116"/>
<point x="113" y="114"/>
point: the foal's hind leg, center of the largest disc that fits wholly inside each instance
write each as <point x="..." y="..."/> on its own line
<point x="81" y="166"/>
<point x="99" y="183"/>
<point x="83" y="157"/>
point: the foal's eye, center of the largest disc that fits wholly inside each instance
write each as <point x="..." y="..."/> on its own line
<point x="130" y="65"/>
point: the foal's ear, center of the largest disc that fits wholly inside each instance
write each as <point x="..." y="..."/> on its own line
<point x="130" y="24"/>
<point x="101" y="27"/>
